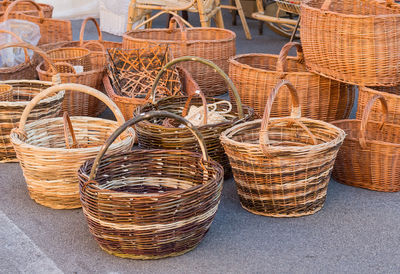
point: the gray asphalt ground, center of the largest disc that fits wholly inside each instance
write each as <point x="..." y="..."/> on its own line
<point x="356" y="232"/>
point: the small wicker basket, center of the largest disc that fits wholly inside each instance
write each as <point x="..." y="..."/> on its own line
<point x="6" y="93"/>
<point x="72" y="55"/>
<point x="26" y="8"/>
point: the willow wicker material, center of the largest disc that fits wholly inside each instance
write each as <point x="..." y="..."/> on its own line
<point x="370" y="153"/>
<point x="49" y="166"/>
<point x="352" y="41"/>
<point x="6" y="93"/>
<point x="282" y="166"/>
<point x="154" y="135"/>
<point x="51" y="30"/>
<point x="255" y="76"/>
<point x="26" y="8"/>
<point x="150" y="204"/>
<point x="72" y="55"/>
<point x="291" y="6"/>
<point x="214" y="44"/>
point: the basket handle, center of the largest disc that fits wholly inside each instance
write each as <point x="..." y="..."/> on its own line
<point x="95" y="43"/>
<point x="68" y="127"/>
<point x="27" y="59"/>
<point x="281" y="64"/>
<point x="57" y="65"/>
<point x="326" y="4"/>
<point x="205" y="62"/>
<point x="203" y="99"/>
<point x="142" y="117"/>
<point x="295" y="115"/>
<point x="13" y="4"/>
<point x="365" y="116"/>
<point x="72" y="87"/>
<point x="160" y="13"/>
<point x="83" y="26"/>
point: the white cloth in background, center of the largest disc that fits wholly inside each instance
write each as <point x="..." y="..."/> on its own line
<point x="74" y="9"/>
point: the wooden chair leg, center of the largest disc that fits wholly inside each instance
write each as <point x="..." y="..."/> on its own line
<point x="233" y="13"/>
<point x="260" y="27"/>
<point x="204" y="20"/>
<point x="185" y="15"/>
<point x="243" y="19"/>
<point x="219" y="20"/>
<point x="295" y="30"/>
<point x="131" y="14"/>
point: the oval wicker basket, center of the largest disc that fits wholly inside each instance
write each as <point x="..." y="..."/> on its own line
<point x="255" y="76"/>
<point x="352" y="41"/>
<point x="26" y="8"/>
<point x="282" y="166"/>
<point x="47" y="159"/>
<point x="75" y="56"/>
<point x="155" y="135"/>
<point x="214" y="44"/>
<point x="370" y="153"/>
<point x="150" y="204"/>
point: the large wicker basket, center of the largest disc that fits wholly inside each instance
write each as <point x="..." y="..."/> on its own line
<point x="150" y="204"/>
<point x="255" y="76"/>
<point x="154" y="135"/>
<point x="282" y="166"/>
<point x="47" y="159"/>
<point x="214" y="44"/>
<point x="24" y="7"/>
<point x="369" y="157"/>
<point x="352" y="41"/>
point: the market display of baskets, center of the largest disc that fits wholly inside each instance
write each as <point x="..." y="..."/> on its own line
<point x="26" y="8"/>
<point x="153" y="134"/>
<point x="282" y="166"/>
<point x="255" y="76"/>
<point x="352" y="41"/>
<point x="150" y="204"/>
<point x="369" y="155"/>
<point x="48" y="159"/>
<point x="214" y="44"/>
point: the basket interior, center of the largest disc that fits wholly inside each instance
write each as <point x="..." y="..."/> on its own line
<point x="351" y="7"/>
<point x="268" y="62"/>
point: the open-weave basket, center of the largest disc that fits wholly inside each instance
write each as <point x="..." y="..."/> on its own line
<point x="214" y="44"/>
<point x="369" y="157"/>
<point x="352" y="41"/>
<point x="152" y="134"/>
<point x="26" y="8"/>
<point x="47" y="159"/>
<point x="150" y="204"/>
<point x="282" y="166"/>
<point x="255" y="76"/>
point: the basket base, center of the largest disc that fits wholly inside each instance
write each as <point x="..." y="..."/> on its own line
<point x="9" y="160"/>
<point x="275" y="215"/>
<point x="373" y="188"/>
<point x="55" y="205"/>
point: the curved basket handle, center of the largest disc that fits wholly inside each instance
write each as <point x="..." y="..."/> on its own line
<point x="326" y="4"/>
<point x="203" y="99"/>
<point x="73" y="87"/>
<point x="83" y="26"/>
<point x="95" y="43"/>
<point x="27" y="59"/>
<point x="139" y="118"/>
<point x="205" y="62"/>
<point x="13" y="4"/>
<point x="177" y="20"/>
<point x="160" y="13"/>
<point x="365" y="116"/>
<point x="281" y="64"/>
<point x="70" y="67"/>
<point x="68" y="127"/>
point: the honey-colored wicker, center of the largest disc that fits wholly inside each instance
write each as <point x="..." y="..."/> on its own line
<point x="72" y="55"/>
<point x="26" y="8"/>
<point x="49" y="165"/>
<point x="214" y="44"/>
<point x="291" y="6"/>
<point x="352" y="41"/>
<point x="6" y="93"/>
<point x="369" y="157"/>
<point x="153" y="134"/>
<point x="255" y="76"/>
<point x="51" y="30"/>
<point x="282" y="166"/>
<point x="150" y="204"/>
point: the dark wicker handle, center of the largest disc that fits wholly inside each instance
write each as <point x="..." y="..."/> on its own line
<point x="205" y="62"/>
<point x="177" y="20"/>
<point x="27" y="59"/>
<point x="137" y="119"/>
<point x="13" y="4"/>
<point x="82" y="33"/>
<point x="160" y="13"/>
<point x="68" y="128"/>
<point x="365" y="116"/>
<point x="203" y="99"/>
<point x="281" y="64"/>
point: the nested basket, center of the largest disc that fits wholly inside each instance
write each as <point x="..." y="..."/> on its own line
<point x="153" y="134"/>
<point x="214" y="44"/>
<point x="282" y="166"/>
<point x="369" y="157"/>
<point x="76" y="56"/>
<point x="352" y="41"/>
<point x="150" y="204"/>
<point x="24" y="7"/>
<point x="51" y="151"/>
<point x="255" y="76"/>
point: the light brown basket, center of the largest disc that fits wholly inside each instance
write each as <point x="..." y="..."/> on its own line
<point x="352" y="41"/>
<point x="282" y="166"/>
<point x="48" y="160"/>
<point x="214" y="44"/>
<point x="6" y="93"/>
<point x="255" y="76"/>
<point x="26" y="8"/>
<point x="369" y="157"/>
<point x="72" y="55"/>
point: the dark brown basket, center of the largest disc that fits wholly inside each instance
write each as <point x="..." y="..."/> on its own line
<point x="150" y="204"/>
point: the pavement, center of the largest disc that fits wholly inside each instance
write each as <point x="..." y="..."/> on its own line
<point x="357" y="231"/>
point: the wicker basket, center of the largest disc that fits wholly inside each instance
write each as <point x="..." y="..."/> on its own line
<point x="6" y="92"/>
<point x="150" y="204"/>
<point x="214" y="44"/>
<point x="291" y="6"/>
<point x="282" y="166"/>
<point x="26" y="8"/>
<point x="76" y="56"/>
<point x="370" y="153"/>
<point x="49" y="163"/>
<point x="51" y="30"/>
<point x="352" y="41"/>
<point x="255" y="76"/>
<point x="154" y="135"/>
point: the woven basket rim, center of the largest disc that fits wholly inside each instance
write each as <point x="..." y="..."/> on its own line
<point x="374" y="91"/>
<point x="14" y="69"/>
<point x="43" y="72"/>
<point x="55" y="97"/>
